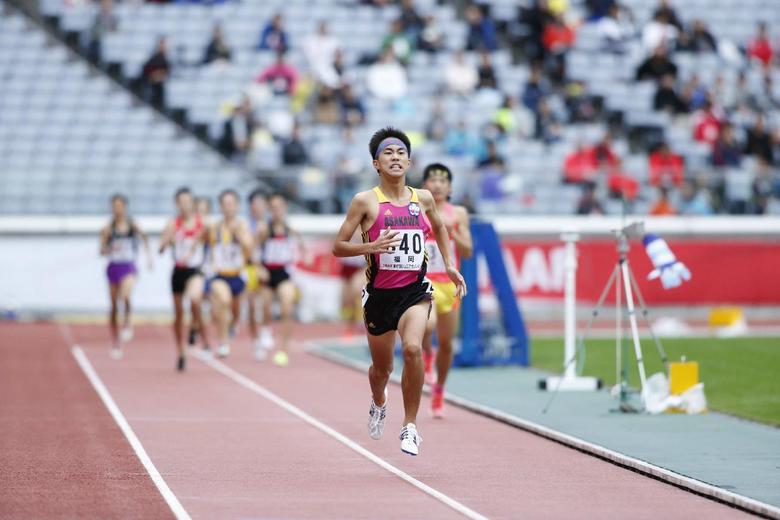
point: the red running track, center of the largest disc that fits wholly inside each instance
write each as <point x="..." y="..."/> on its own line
<point x="227" y="452"/>
<point x="61" y="453"/>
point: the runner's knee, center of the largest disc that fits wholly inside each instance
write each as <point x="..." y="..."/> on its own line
<point x="383" y="371"/>
<point x="412" y="350"/>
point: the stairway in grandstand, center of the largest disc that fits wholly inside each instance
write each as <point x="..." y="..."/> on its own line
<point x="70" y="137"/>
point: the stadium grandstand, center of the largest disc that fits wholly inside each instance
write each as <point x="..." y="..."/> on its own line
<point x="556" y="107"/>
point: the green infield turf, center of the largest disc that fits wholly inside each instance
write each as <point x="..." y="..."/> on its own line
<point x="741" y="376"/>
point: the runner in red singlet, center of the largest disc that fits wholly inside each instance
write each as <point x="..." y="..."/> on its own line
<point x="185" y="234"/>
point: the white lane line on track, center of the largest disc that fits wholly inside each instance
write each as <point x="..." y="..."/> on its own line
<point x="267" y="394"/>
<point x="642" y="467"/>
<point x="173" y="502"/>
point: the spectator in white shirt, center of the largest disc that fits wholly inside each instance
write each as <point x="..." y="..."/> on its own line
<point x="386" y="79"/>
<point x="320" y="50"/>
<point x="659" y="31"/>
<point x="460" y="75"/>
<point x="616" y="28"/>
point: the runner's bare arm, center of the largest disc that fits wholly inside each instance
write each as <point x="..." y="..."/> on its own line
<point x="442" y="240"/>
<point x="462" y="233"/>
<point x="343" y="245"/>
<point x="147" y="249"/>
<point x="261" y="233"/>
<point x="104" y="249"/>
<point x="205" y="237"/>
<point x="303" y="251"/>
<point x="244" y="238"/>
<point x="263" y="230"/>
<point x="166" y="238"/>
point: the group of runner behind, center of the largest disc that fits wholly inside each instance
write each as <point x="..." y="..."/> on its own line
<point x="412" y="240"/>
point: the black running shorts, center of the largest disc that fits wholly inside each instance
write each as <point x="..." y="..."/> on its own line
<point x="277" y="275"/>
<point x="180" y="277"/>
<point x="383" y="308"/>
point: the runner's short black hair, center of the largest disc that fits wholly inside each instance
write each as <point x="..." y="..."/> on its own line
<point x="182" y="191"/>
<point x="120" y="196"/>
<point x="226" y="193"/>
<point x="435" y="168"/>
<point x="257" y="192"/>
<point x="384" y="133"/>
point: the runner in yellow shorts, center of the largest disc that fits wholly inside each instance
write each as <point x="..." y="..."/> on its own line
<point x="444" y="297"/>
<point x="437" y="178"/>
<point x="257" y="276"/>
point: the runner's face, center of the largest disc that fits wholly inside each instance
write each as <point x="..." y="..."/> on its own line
<point x="202" y="207"/>
<point x="258" y="207"/>
<point x="185" y="204"/>
<point x="278" y="208"/>
<point x="118" y="208"/>
<point x="439" y="186"/>
<point x="229" y="205"/>
<point x="393" y="161"/>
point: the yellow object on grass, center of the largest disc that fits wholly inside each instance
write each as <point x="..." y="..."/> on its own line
<point x="683" y="375"/>
<point x="725" y="316"/>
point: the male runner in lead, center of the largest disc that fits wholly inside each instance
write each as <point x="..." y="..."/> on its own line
<point x="185" y="234"/>
<point x="437" y="179"/>
<point x="397" y="295"/>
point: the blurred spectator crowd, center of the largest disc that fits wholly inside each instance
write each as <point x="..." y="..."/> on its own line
<point x="517" y="100"/>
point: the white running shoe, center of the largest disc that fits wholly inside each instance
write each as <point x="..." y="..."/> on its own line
<point x="126" y="334"/>
<point x="410" y="439"/>
<point x="376" y="419"/>
<point x="116" y="352"/>
<point x="223" y="350"/>
<point x="266" y="338"/>
<point x="259" y="352"/>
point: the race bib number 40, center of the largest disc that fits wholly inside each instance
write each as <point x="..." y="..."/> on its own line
<point x="408" y="255"/>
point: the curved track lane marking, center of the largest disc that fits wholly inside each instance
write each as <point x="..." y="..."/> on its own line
<point x="267" y="394"/>
<point x="173" y="502"/>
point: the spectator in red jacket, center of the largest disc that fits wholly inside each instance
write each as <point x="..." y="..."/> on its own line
<point x="707" y="124"/>
<point x="622" y="185"/>
<point x="557" y="36"/>
<point x="579" y="166"/>
<point x="557" y="39"/>
<point x="666" y="168"/>
<point x="760" y="47"/>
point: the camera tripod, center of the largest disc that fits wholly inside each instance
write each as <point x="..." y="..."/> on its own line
<point x="624" y="281"/>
